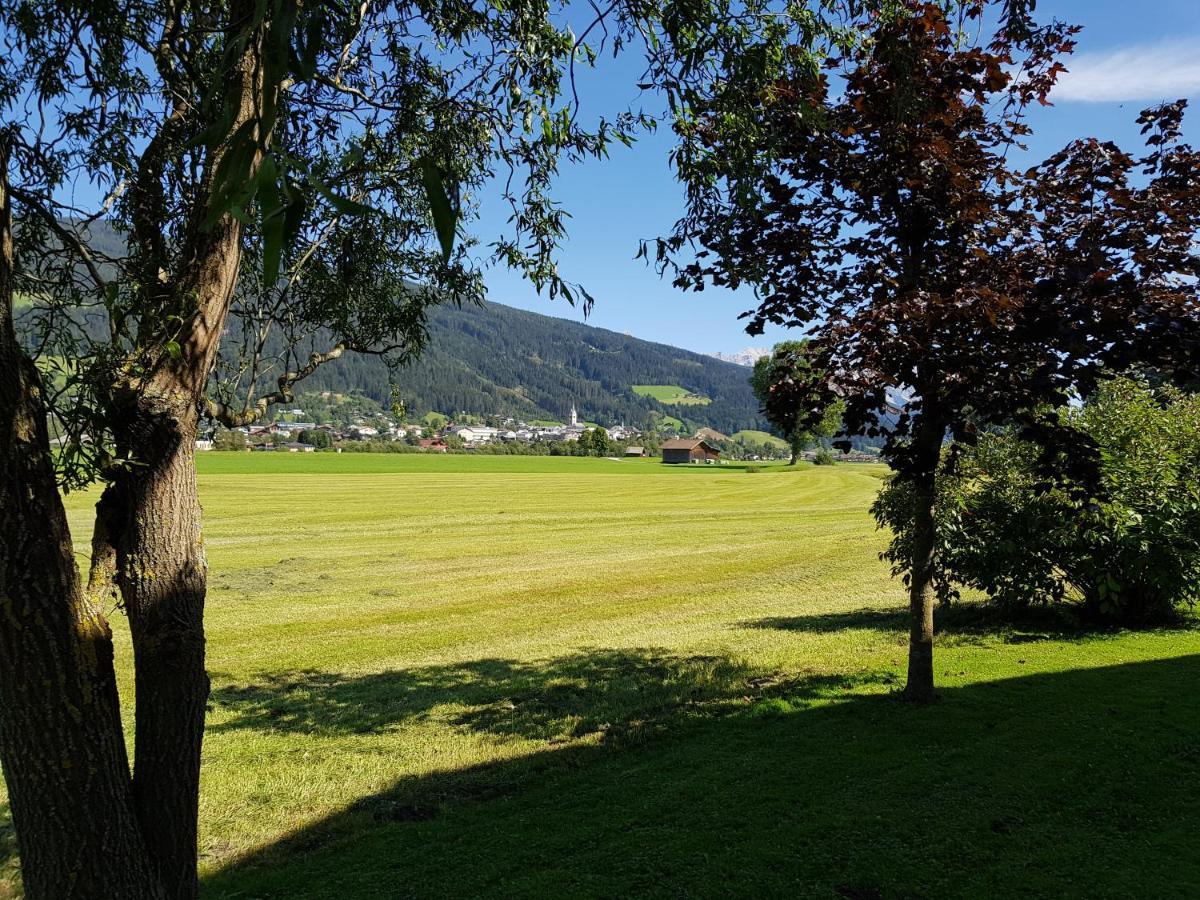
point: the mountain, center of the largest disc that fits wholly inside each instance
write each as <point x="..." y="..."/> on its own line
<point x="499" y="360"/>
<point x="747" y="357"/>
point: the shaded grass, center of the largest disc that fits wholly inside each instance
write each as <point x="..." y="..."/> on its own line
<point x="959" y="621"/>
<point x="815" y="786"/>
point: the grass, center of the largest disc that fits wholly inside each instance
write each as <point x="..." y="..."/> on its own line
<point x="528" y="676"/>
<point x="670" y="423"/>
<point x="337" y="464"/>
<point x="671" y="394"/>
<point x="760" y="437"/>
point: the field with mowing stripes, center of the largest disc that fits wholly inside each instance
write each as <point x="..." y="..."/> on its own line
<point x="448" y="676"/>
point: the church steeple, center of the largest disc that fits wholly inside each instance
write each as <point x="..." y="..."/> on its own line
<point x="574" y="416"/>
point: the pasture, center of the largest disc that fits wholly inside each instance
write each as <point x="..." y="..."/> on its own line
<point x="760" y="437"/>
<point x="530" y="676"/>
<point x="671" y="394"/>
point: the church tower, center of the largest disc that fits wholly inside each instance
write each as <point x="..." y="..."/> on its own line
<point x="574" y="416"/>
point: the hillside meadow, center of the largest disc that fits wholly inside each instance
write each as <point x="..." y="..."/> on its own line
<point x="670" y="394"/>
<point x="531" y="676"/>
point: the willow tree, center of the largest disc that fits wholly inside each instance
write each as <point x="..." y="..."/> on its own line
<point x="301" y="167"/>
<point x="889" y="222"/>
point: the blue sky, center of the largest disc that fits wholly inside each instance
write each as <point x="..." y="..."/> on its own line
<point x="1129" y="55"/>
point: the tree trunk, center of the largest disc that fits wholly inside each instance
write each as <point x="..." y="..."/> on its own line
<point x="153" y="517"/>
<point x="153" y="509"/>
<point x="921" y="594"/>
<point x="61" y="740"/>
<point x="797" y="447"/>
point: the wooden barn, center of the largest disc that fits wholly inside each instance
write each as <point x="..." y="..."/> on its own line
<point x="689" y="450"/>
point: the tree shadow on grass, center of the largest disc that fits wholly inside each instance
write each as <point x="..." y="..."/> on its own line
<point x="595" y="692"/>
<point x="1001" y="789"/>
<point x="967" y="620"/>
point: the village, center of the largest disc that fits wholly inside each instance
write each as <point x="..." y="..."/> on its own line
<point x="381" y="433"/>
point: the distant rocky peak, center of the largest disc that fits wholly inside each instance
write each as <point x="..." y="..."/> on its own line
<point x="747" y="357"/>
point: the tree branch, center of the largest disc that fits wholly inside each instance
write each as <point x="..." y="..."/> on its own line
<point x="250" y="413"/>
<point x="67" y="235"/>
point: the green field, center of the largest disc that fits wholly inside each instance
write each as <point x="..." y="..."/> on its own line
<point x="671" y="394"/>
<point x="760" y="437"/>
<point x="331" y="464"/>
<point x="449" y="676"/>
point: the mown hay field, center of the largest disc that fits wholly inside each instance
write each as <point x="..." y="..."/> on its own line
<point x="462" y="676"/>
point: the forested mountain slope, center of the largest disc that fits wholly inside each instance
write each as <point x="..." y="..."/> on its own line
<point x="500" y="360"/>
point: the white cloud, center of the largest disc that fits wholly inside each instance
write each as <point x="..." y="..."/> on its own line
<point x="1163" y="71"/>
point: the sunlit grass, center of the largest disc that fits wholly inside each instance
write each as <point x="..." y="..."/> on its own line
<point x="760" y="437"/>
<point x="671" y="394"/>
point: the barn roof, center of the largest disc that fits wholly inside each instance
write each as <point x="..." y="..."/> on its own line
<point x="687" y="444"/>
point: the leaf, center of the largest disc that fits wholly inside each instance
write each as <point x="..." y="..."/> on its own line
<point x="293" y="216"/>
<point x="271" y="214"/>
<point x="445" y="215"/>
<point x="344" y="205"/>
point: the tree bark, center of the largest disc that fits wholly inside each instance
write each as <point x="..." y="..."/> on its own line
<point x="61" y="740"/>
<point x="153" y="519"/>
<point x="921" y="595"/>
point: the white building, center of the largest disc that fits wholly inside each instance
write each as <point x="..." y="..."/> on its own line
<point x="476" y="434"/>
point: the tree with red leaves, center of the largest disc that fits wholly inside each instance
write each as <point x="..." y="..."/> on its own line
<point x="893" y="226"/>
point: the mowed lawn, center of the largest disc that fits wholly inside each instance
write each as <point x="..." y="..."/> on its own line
<point x="542" y="677"/>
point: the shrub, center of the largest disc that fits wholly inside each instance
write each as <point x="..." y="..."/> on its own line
<point x="322" y="440"/>
<point x="753" y="469"/>
<point x="823" y="457"/>
<point x="1131" y="557"/>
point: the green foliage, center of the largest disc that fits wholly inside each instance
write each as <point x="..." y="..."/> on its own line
<point x="801" y="428"/>
<point x="349" y="184"/>
<point x="824" y="457"/>
<point x="1131" y="556"/>
<point x="226" y="439"/>
<point x="317" y="438"/>
<point x="596" y="442"/>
